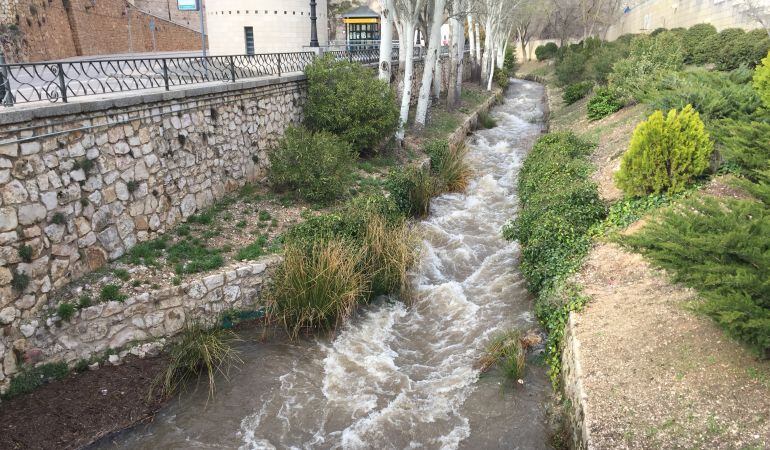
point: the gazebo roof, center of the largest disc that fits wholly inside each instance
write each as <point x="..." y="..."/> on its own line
<point x="360" y="12"/>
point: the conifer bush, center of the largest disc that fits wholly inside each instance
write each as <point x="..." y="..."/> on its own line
<point x="693" y="41"/>
<point x="649" y="60"/>
<point x="746" y="49"/>
<point x="761" y="80"/>
<point x="317" y="166"/>
<point x="547" y="51"/>
<point x="347" y="99"/>
<point x="666" y="154"/>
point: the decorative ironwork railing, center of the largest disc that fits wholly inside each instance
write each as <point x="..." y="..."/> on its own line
<point x="61" y="81"/>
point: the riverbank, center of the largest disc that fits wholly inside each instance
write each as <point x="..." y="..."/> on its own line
<point x="264" y="217"/>
<point x="641" y="367"/>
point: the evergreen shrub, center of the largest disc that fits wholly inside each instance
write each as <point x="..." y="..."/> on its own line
<point x="761" y="80"/>
<point x="347" y="99"/>
<point x="666" y="154"/>
<point x="547" y="51"/>
<point x="576" y="91"/>
<point x="316" y="165"/>
<point x="746" y="49"/>
<point x="693" y="42"/>
<point x="649" y="59"/>
<point x="605" y="101"/>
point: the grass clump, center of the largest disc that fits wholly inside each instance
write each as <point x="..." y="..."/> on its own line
<point x="320" y="288"/>
<point x="30" y="379"/>
<point x="200" y="350"/>
<point x="148" y="252"/>
<point x="19" y="281"/>
<point x="317" y="166"/>
<point x="389" y="252"/>
<point x="507" y="352"/>
<point x="448" y="165"/>
<point x="666" y="154"/>
<point x="111" y="292"/>
<point x="253" y="250"/>
<point x="192" y="256"/>
<point x="25" y="253"/>
<point x="486" y="120"/>
<point x="411" y="190"/>
<point x="722" y="249"/>
<point x="121" y="274"/>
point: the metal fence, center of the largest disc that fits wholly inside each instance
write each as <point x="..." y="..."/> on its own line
<point x="61" y="81"/>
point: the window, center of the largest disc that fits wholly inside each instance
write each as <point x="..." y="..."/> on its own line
<point x="249" y="35"/>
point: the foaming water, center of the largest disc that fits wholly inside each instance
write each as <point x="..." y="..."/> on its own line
<point x="398" y="376"/>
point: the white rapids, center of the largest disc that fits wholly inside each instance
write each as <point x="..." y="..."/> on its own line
<point x="400" y="376"/>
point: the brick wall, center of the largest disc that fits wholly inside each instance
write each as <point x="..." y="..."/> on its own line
<point x="54" y="29"/>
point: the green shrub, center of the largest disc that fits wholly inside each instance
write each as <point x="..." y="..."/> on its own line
<point x="448" y="165"/>
<point x="665" y="154"/>
<point x="714" y="95"/>
<point x="761" y="80"/>
<point x="571" y="66"/>
<point x="744" y="145"/>
<point x="649" y="59"/>
<point x="601" y="61"/>
<point x="29" y="379"/>
<point x="111" y="292"/>
<point x="695" y="52"/>
<point x="320" y="288"/>
<point x="547" y="51"/>
<point x="501" y="78"/>
<point x="604" y="102"/>
<point x="721" y="249"/>
<point x="576" y="91"/>
<point x="747" y="49"/>
<point x="560" y="204"/>
<point x="200" y="349"/>
<point x="411" y="189"/>
<point x="65" y="311"/>
<point x="347" y="99"/>
<point x="317" y="166"/>
<point x="713" y="46"/>
<point x="509" y="62"/>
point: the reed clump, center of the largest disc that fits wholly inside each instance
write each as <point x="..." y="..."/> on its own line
<point x="507" y="351"/>
<point x="448" y="165"/>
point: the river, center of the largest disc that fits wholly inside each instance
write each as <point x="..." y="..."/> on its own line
<point x="398" y="376"/>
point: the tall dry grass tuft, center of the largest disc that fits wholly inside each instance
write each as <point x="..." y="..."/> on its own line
<point x="389" y="253"/>
<point x="200" y="349"/>
<point x="319" y="288"/>
<point x="454" y="172"/>
<point x="506" y="351"/>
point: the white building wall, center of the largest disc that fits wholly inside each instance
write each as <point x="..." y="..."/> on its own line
<point x="647" y="15"/>
<point x="279" y="25"/>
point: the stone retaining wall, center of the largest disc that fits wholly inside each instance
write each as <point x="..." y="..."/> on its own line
<point x="572" y="383"/>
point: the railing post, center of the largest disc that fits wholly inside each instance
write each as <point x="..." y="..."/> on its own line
<point x="350" y="55"/>
<point x="5" y="83"/>
<point x="279" y="64"/>
<point x="165" y="74"/>
<point x="232" y="69"/>
<point x="62" y="86"/>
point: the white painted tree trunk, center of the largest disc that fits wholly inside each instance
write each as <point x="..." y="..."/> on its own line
<point x="438" y="76"/>
<point x="386" y="40"/>
<point x="488" y="54"/>
<point x="461" y="58"/>
<point x="454" y="58"/>
<point x="500" y="56"/>
<point x="477" y="33"/>
<point x="434" y="45"/>
<point x="472" y="40"/>
<point x="406" y="94"/>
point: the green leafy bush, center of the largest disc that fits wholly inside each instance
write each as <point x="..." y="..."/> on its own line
<point x="649" y="59"/>
<point x="317" y="166"/>
<point x="509" y="62"/>
<point x="721" y="249"/>
<point x="761" y="80"/>
<point x="713" y="46"/>
<point x="715" y="95"/>
<point x="547" y="51"/>
<point x="347" y="99"/>
<point x="666" y="154"/>
<point x="571" y="66"/>
<point x="744" y="145"/>
<point x="560" y="204"/>
<point x="576" y="91"/>
<point x="746" y="49"/>
<point x="601" y="61"/>
<point x="605" y="101"/>
<point x="695" y="52"/>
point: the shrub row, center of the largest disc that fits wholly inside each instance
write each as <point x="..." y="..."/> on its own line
<point x="559" y="204"/>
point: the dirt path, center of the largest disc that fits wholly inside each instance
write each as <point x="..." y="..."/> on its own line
<point x="658" y="375"/>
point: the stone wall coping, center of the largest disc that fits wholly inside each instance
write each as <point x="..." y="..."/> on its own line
<point x="22" y="114"/>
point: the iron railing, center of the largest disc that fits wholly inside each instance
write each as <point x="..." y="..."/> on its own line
<point x="62" y="80"/>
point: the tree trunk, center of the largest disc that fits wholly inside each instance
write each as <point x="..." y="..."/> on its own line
<point x="488" y="52"/>
<point x="434" y="44"/>
<point x="458" y="86"/>
<point x="453" y="60"/>
<point x="472" y="41"/>
<point x="386" y="40"/>
<point x="438" y="77"/>
<point x="406" y="95"/>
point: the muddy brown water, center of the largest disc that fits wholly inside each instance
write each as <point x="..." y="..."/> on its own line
<point x="398" y="376"/>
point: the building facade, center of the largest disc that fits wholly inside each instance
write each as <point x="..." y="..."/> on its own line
<point x="237" y="27"/>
